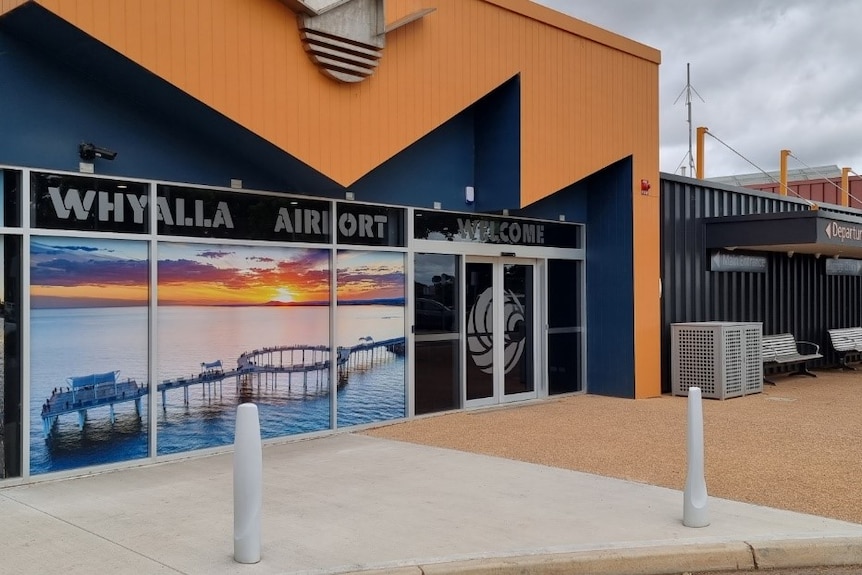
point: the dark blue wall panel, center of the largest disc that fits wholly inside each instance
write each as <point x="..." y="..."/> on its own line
<point x="610" y="277"/>
<point x="435" y="168"/>
<point x="603" y="201"/>
<point x="479" y="147"/>
<point x="498" y="148"/>
<point x="570" y="202"/>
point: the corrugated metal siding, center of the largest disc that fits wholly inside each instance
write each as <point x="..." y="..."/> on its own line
<point x="821" y="190"/>
<point x="794" y="295"/>
<point x="585" y="105"/>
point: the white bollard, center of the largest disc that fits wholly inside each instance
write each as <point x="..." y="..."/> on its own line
<point x="695" y="512"/>
<point x="247" y="485"/>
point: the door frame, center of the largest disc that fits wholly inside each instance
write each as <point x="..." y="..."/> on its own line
<point x="538" y="333"/>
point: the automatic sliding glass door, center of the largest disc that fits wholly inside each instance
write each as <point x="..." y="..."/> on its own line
<point x="500" y="320"/>
<point x="518" y="330"/>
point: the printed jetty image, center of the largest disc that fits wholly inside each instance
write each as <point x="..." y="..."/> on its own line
<point x="99" y="390"/>
<point x="88" y="392"/>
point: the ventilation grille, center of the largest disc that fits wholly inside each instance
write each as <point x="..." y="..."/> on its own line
<point x="696" y="359"/>
<point x="722" y="359"/>
<point x="342" y="59"/>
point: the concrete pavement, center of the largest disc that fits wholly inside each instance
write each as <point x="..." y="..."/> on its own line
<point x="348" y="503"/>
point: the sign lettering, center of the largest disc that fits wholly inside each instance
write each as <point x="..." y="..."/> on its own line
<point x="435" y="225"/>
<point x="496" y="232"/>
<point x="370" y="225"/>
<point x="302" y="221"/>
<point x="84" y="203"/>
<point x="843" y="232"/>
<point x="70" y="203"/>
<point x="843" y="267"/>
<point x="727" y="262"/>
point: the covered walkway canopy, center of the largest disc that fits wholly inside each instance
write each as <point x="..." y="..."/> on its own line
<point x="816" y="232"/>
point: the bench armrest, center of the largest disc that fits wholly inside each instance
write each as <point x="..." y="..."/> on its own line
<point x="810" y="343"/>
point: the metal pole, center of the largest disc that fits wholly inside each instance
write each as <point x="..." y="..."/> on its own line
<point x="782" y="173"/>
<point x="701" y="151"/>
<point x="688" y="105"/>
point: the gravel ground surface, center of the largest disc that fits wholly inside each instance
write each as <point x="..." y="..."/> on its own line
<point x="796" y="446"/>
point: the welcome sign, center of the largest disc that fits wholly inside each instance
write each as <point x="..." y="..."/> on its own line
<point x="501" y="230"/>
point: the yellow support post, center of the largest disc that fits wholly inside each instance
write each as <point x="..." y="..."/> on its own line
<point x="782" y="180"/>
<point x="845" y="186"/>
<point x="701" y="133"/>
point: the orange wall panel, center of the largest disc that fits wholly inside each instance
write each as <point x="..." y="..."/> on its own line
<point x="8" y="5"/>
<point x="245" y="60"/>
<point x="398" y="9"/>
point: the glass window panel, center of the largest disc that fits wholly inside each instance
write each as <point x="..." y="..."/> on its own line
<point x="241" y="324"/>
<point x="564" y="288"/>
<point x="565" y="332"/>
<point x="89" y="326"/>
<point x="436" y="292"/>
<point x="479" y="317"/>
<point x="437" y="369"/>
<point x="370" y="339"/>
<point x="518" y="329"/>
<point x="10" y="197"/>
<point x="10" y="360"/>
<point x="436" y="324"/>
<point x="564" y="366"/>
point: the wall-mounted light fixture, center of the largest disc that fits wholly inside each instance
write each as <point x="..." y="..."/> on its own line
<point x="469" y="195"/>
<point x="438" y="205"/>
<point x="88" y="151"/>
<point x="790" y="253"/>
<point x="348" y="195"/>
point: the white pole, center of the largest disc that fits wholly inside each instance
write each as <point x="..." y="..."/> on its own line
<point x="695" y="509"/>
<point x="247" y="485"/>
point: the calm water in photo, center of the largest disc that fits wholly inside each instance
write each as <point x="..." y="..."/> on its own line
<point x="74" y="342"/>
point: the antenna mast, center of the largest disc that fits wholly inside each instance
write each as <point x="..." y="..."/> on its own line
<point x="688" y="90"/>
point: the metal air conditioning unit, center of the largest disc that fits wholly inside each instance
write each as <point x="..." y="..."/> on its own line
<point x="723" y="359"/>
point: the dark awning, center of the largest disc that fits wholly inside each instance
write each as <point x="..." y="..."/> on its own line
<point x="805" y="232"/>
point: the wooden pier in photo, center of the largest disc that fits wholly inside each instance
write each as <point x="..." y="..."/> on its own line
<point x="254" y="368"/>
<point x="89" y="392"/>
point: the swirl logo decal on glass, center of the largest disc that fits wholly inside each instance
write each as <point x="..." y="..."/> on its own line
<point x="480" y="328"/>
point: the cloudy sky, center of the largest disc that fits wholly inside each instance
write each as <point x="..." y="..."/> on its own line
<point x="773" y="74"/>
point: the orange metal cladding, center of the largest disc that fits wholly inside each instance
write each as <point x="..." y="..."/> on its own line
<point x="7" y="5"/>
<point x="589" y="97"/>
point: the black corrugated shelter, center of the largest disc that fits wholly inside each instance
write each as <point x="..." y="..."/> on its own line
<point x="735" y="254"/>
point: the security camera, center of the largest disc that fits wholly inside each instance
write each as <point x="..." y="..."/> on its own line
<point x="91" y="152"/>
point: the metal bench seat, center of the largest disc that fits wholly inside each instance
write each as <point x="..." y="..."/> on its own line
<point x="847" y="341"/>
<point x="783" y="349"/>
